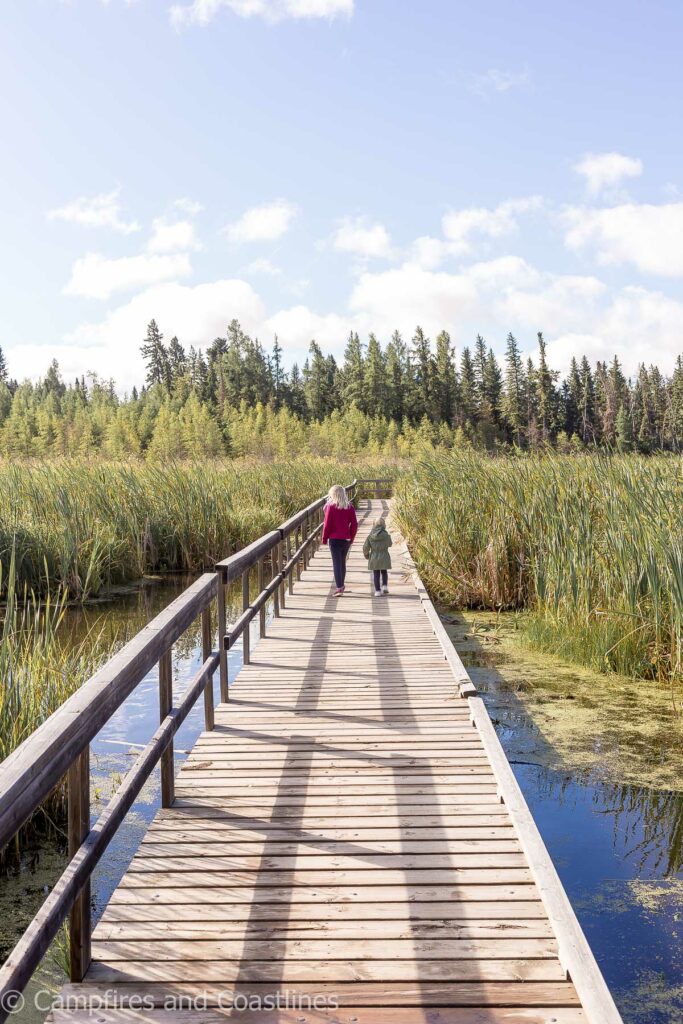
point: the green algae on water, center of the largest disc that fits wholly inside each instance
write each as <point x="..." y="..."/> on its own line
<point x="607" y="727"/>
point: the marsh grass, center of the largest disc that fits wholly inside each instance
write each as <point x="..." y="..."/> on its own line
<point x="83" y="527"/>
<point x="592" y="545"/>
<point x="40" y="668"/>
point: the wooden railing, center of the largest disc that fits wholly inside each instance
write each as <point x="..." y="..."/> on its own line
<point x="61" y="746"/>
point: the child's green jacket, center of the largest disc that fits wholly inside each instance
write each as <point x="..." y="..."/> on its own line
<point x="376" y="548"/>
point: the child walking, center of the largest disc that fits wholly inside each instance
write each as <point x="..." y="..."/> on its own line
<point x="339" y="531"/>
<point x="376" y="550"/>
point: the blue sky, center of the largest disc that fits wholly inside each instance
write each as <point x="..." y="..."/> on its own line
<point x="311" y="166"/>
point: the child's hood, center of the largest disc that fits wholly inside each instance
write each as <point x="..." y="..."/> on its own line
<point x="379" y="532"/>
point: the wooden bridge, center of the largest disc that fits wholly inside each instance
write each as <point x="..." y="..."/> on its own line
<point x="345" y="843"/>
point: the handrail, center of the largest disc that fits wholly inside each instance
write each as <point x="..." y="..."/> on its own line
<point x="61" y="744"/>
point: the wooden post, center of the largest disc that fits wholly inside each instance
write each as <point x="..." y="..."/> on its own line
<point x="297" y="545"/>
<point x="78" y="782"/>
<point x="245" y="605"/>
<point x="206" y="653"/>
<point x="304" y="535"/>
<point x="165" y="704"/>
<point x="262" y="609"/>
<point x="222" y="630"/>
<point x="281" y="560"/>
<point x="275" y="561"/>
<point x="290" y="579"/>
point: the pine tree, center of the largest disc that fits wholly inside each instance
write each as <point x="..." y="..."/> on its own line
<point x="3" y="367"/>
<point x="277" y="373"/>
<point x="445" y="379"/>
<point x="586" y="410"/>
<point x="623" y="430"/>
<point x="156" y="357"/>
<point x="546" y="394"/>
<point x="318" y="383"/>
<point x="177" y="360"/>
<point x="467" y="413"/>
<point x="513" y="405"/>
<point x="423" y="363"/>
<point x="395" y="364"/>
<point x="375" y="398"/>
<point x="352" y="373"/>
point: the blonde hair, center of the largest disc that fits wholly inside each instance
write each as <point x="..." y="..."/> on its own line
<point x="337" y="496"/>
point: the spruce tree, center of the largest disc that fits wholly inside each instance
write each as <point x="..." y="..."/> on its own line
<point x="375" y="398"/>
<point x="445" y="379"/>
<point x="513" y="404"/>
<point x="156" y="357"/>
<point x="352" y="373"/>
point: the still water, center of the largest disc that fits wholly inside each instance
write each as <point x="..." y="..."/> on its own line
<point x="618" y="846"/>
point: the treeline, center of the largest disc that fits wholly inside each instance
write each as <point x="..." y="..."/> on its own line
<point x="235" y="398"/>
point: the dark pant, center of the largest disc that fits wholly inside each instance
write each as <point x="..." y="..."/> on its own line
<point x="376" y="573"/>
<point x="339" y="550"/>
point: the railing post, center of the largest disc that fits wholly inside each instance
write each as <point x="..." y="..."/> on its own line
<point x="290" y="580"/>
<point x="304" y="535"/>
<point x="78" y="782"/>
<point x="262" y="609"/>
<point x="209" y="720"/>
<point x="282" y="560"/>
<point x="297" y="545"/>
<point x="245" y="605"/>
<point x="275" y="560"/>
<point x="165" y="704"/>
<point x="222" y="630"/>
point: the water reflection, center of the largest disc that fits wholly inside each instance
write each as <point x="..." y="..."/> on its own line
<point x="617" y="847"/>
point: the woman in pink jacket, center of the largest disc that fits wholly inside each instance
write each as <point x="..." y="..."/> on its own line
<point x="339" y="529"/>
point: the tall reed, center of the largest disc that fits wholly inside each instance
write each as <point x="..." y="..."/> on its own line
<point x="85" y="526"/>
<point x="592" y="545"/>
<point x="40" y="667"/>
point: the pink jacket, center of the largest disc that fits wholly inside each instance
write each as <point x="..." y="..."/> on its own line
<point x="340" y="523"/>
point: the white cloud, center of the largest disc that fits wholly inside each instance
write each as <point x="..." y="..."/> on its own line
<point x="263" y="266"/>
<point x="189" y="206"/>
<point x="201" y="12"/>
<point x="496" y="81"/>
<point x="460" y="225"/>
<point x="357" y="236"/>
<point x="264" y="223"/>
<point x="96" y="277"/>
<point x="297" y="326"/>
<point x="101" y="211"/>
<point x="111" y="347"/>
<point x="410" y="295"/>
<point x="607" y="170"/>
<point x="646" y="236"/>
<point x="172" y="236"/>
<point x="556" y="302"/>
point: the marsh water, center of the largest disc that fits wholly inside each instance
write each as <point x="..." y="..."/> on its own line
<point x="598" y="758"/>
<point x="600" y="762"/>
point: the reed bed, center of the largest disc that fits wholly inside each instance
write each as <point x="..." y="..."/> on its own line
<point x="83" y="527"/>
<point x="592" y="545"/>
<point x="40" y="666"/>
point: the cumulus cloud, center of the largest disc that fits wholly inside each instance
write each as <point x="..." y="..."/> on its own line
<point x="646" y="236"/>
<point x="264" y="223"/>
<point x="201" y="12"/>
<point x="172" y="236"/>
<point x="101" y="211"/>
<point x="607" y="170"/>
<point x="357" y="236"/>
<point x="263" y="266"/>
<point x="494" y="81"/>
<point x="96" y="277"/>
<point x="460" y="227"/>
<point x="111" y="346"/>
<point x="189" y="206"/>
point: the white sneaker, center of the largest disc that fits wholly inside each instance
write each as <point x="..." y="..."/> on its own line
<point x="378" y="593"/>
<point x="385" y="590"/>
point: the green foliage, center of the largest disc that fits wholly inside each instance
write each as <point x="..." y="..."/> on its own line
<point x="591" y="544"/>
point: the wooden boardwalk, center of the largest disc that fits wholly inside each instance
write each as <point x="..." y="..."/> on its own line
<point x="339" y="834"/>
